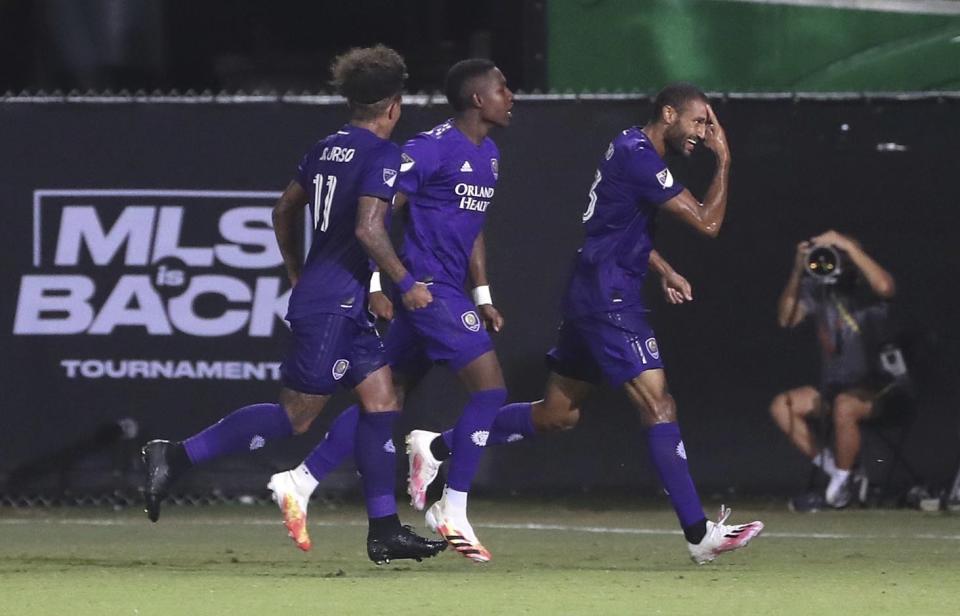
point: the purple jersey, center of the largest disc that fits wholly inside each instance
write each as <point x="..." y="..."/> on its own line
<point x="631" y="183"/>
<point x="336" y="172"/>
<point x="449" y="181"/>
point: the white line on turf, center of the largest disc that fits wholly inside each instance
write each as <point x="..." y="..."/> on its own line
<point x="606" y="530"/>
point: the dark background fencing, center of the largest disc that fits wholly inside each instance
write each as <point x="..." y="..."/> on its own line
<point x="882" y="170"/>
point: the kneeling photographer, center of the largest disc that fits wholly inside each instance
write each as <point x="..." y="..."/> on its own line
<point x="846" y="292"/>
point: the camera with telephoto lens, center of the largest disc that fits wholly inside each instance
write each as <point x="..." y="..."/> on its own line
<point x="826" y="264"/>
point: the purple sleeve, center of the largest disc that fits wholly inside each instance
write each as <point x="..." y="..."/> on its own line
<point x="651" y="178"/>
<point x="380" y="175"/>
<point x="418" y="162"/>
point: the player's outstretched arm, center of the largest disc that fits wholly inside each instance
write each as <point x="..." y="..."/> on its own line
<point x="372" y="235"/>
<point x="707" y="217"/>
<point x="481" y="287"/>
<point x="286" y="214"/>
<point x="676" y="288"/>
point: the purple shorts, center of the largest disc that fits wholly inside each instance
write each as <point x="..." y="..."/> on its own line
<point x="448" y="331"/>
<point x="328" y="351"/>
<point x="606" y="346"/>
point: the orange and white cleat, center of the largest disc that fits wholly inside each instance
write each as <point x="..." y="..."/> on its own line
<point x="293" y="506"/>
<point x="457" y="533"/>
<point x="722" y="538"/>
<point x="423" y="466"/>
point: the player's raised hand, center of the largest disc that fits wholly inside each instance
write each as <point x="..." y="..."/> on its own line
<point x="417" y="297"/>
<point x="492" y="319"/>
<point x="676" y="288"/>
<point x="380" y="306"/>
<point x="715" y="137"/>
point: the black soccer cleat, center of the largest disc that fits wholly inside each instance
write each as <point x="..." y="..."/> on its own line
<point x="402" y="543"/>
<point x="159" y="475"/>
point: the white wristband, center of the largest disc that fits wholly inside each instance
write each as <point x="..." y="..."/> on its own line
<point x="481" y="295"/>
<point x="375" y="283"/>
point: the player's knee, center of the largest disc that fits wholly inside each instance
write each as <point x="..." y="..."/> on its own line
<point x="565" y="419"/>
<point x="659" y="408"/>
<point x="554" y="415"/>
<point x="300" y="421"/>
<point x="300" y="412"/>
<point x="569" y="420"/>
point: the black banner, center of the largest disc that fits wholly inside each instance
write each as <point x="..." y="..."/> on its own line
<point x="142" y="279"/>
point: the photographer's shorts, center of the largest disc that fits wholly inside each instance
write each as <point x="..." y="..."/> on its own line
<point x="611" y="347"/>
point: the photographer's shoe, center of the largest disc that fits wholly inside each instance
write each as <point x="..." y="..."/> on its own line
<point x="840" y="490"/>
<point x="811" y="502"/>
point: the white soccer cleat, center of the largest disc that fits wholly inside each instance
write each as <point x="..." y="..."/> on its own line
<point x="722" y="538"/>
<point x="423" y="466"/>
<point x="457" y="532"/>
<point x="293" y="506"/>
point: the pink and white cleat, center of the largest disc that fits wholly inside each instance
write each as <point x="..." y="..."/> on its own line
<point x="293" y="506"/>
<point x="722" y="538"/>
<point x="457" y="532"/>
<point x="423" y="466"/>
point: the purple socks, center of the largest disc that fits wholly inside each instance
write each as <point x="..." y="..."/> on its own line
<point x="670" y="459"/>
<point x="514" y="422"/>
<point x="471" y="435"/>
<point x="377" y="461"/>
<point x="336" y="446"/>
<point x="245" y="429"/>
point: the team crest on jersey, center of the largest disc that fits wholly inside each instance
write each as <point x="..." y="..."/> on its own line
<point x="665" y="178"/>
<point x="652" y="348"/>
<point x="609" y="153"/>
<point x="495" y="168"/>
<point x="406" y="163"/>
<point x="470" y="320"/>
<point x="340" y="368"/>
<point x="389" y="177"/>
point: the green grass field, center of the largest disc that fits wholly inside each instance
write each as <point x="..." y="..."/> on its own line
<point x="573" y="560"/>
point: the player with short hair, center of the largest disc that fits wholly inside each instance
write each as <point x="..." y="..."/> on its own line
<point x="605" y="335"/>
<point x="448" y="177"/>
<point x="348" y="179"/>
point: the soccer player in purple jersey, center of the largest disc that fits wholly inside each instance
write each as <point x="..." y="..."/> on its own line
<point x="348" y="179"/>
<point x="447" y="181"/>
<point x="605" y="335"/>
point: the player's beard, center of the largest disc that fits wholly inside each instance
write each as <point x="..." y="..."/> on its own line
<point x="677" y="141"/>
